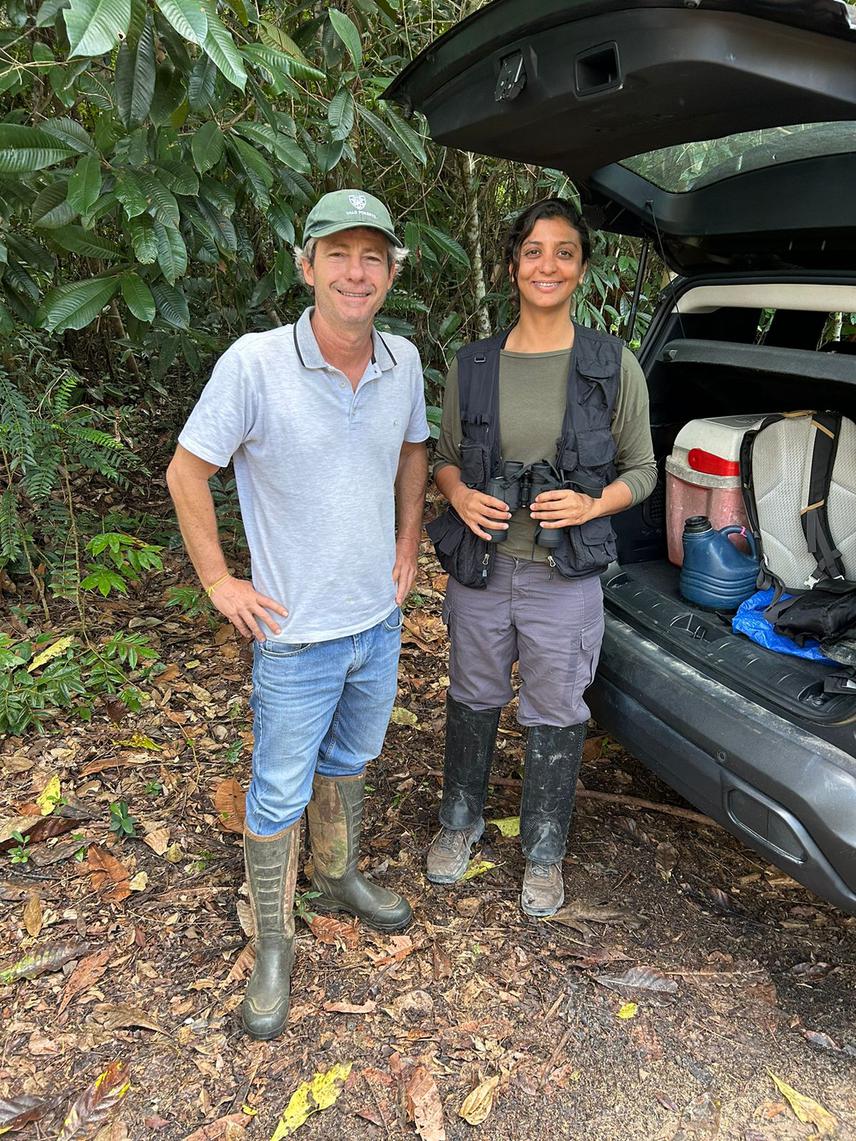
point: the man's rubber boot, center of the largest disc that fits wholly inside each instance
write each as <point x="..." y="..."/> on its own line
<point x="470" y="738"/>
<point x="271" y="875"/>
<point x="335" y="815"/>
<point x="553" y="756"/>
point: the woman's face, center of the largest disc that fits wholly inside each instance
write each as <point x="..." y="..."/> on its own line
<point x="550" y="266"/>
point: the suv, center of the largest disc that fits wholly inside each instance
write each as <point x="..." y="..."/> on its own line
<point x="725" y="134"/>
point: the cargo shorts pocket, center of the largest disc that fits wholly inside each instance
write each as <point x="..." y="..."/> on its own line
<point x="588" y="657"/>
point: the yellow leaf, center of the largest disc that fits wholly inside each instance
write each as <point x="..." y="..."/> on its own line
<point x="508" y="825"/>
<point x="807" y="1110"/>
<point x="50" y="796"/>
<point x="628" y="1010"/>
<point x="33" y="915"/>
<point x="139" y="741"/>
<point x="401" y="716"/>
<point x="50" y="653"/>
<point x="477" y="868"/>
<point x="310" y="1097"/>
<point x="478" y="1104"/>
<point x="139" y="882"/>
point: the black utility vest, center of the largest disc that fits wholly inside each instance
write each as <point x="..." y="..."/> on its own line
<point x="586" y="445"/>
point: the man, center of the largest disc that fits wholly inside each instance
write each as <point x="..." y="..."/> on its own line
<point x="325" y="420"/>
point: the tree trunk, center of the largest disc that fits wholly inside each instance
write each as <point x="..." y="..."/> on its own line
<point x="472" y="228"/>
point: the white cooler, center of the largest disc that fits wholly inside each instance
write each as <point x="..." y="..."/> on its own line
<point x="703" y="477"/>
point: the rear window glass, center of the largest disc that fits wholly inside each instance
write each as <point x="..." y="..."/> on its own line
<point x="691" y="165"/>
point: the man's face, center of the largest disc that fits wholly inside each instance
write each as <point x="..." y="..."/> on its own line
<point x="351" y="276"/>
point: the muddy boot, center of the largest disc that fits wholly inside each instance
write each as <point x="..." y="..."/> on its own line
<point x="470" y="737"/>
<point x="553" y="756"/>
<point x="335" y="815"/>
<point x="271" y="875"/>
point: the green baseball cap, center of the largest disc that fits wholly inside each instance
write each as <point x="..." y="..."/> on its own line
<point x="345" y="210"/>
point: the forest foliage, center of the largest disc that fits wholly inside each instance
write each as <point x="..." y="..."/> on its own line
<point x="157" y="159"/>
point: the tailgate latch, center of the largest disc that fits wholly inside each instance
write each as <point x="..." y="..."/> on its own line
<point x="511" y="79"/>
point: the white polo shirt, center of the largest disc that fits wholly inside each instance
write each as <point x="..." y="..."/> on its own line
<point x="315" y="465"/>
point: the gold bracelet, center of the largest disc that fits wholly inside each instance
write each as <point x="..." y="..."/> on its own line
<point x="209" y="590"/>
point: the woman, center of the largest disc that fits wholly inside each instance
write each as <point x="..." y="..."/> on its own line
<point x="524" y="580"/>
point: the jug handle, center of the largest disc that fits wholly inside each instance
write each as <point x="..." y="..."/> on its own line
<point x="747" y="535"/>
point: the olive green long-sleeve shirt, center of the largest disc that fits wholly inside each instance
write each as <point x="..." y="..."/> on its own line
<point x="532" y="396"/>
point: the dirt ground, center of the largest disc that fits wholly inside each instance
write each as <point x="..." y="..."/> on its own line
<point x="682" y="976"/>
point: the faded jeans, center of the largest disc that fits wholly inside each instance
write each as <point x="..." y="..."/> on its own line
<point x="317" y="706"/>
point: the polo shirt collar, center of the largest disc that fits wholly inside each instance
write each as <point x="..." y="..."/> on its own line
<point x="310" y="356"/>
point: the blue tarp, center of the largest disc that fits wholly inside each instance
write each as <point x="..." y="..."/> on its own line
<point x="750" y="620"/>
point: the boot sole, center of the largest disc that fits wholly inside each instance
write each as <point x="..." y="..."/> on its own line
<point x="328" y="906"/>
<point x="447" y="879"/>
<point x="264" y="1037"/>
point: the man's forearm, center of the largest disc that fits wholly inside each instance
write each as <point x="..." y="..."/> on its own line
<point x="194" y="507"/>
<point x="410" y="483"/>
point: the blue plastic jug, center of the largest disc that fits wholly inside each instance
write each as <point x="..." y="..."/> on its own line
<point x="715" y="574"/>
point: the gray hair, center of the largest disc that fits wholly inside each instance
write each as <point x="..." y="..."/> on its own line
<point x="395" y="255"/>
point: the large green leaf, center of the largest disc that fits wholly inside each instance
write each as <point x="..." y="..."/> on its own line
<point x="346" y="30"/>
<point x="220" y="47"/>
<point x="408" y="136"/>
<point x="391" y="140"/>
<point x="278" y="63"/>
<point x="48" y="11"/>
<point x="161" y="201"/>
<point x="201" y="83"/>
<point x="74" y="306"/>
<point x="180" y="178"/>
<point x="169" y="95"/>
<point x="214" y="227"/>
<point x="340" y="113"/>
<point x="96" y="26"/>
<point x="328" y="154"/>
<point x="131" y="193"/>
<point x="143" y="239"/>
<point x="256" y="168"/>
<point x="69" y="132"/>
<point x="172" y="305"/>
<point x="445" y="245"/>
<point x="188" y="17"/>
<point x="84" y="186"/>
<point x="275" y="37"/>
<point x="135" y="77"/>
<point x="206" y="146"/>
<point x="79" y="241"/>
<point x="25" y="149"/>
<point x="138" y="297"/>
<point x="51" y="207"/>
<point x="281" y="222"/>
<point x="172" y="252"/>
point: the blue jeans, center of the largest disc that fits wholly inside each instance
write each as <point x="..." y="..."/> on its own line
<point x="321" y="706"/>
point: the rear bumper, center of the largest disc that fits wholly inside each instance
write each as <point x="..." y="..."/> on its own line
<point x="787" y="793"/>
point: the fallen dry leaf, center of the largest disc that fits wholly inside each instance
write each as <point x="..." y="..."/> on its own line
<point x="242" y="966"/>
<point x="310" y="1097"/>
<point x="48" y="959"/>
<point x="87" y="972"/>
<point x="229" y="800"/>
<point x="639" y="978"/>
<point x="423" y="1104"/>
<point x="116" y="1131"/>
<point x="110" y="877"/>
<point x="401" y="716"/>
<point x="229" y="1128"/>
<point x="33" y="915"/>
<point x="326" y="929"/>
<point x="478" y="1104"/>
<point x="121" y="1017"/>
<point x="665" y="858"/>
<point x="97" y="1102"/>
<point x="157" y="840"/>
<point x="350" y="1007"/>
<point x="810" y="1112"/>
<point x="22" y="1110"/>
<point x="245" y="917"/>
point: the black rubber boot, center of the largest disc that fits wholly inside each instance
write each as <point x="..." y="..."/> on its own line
<point x="553" y="756"/>
<point x="470" y="738"/>
<point x="335" y="817"/>
<point x="271" y="876"/>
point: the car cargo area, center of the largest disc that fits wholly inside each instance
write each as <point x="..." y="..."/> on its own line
<point x="703" y="360"/>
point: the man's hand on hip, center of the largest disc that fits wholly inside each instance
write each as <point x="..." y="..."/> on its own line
<point x="404" y="571"/>
<point x="239" y="601"/>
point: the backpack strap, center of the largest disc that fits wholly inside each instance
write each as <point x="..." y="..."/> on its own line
<point x="747" y="487"/>
<point x="814" y="516"/>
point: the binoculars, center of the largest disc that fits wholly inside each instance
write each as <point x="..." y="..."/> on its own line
<point x="519" y="485"/>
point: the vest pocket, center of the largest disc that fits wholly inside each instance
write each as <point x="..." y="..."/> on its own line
<point x="459" y="552"/>
<point x="596" y="447"/>
<point x="474" y="464"/>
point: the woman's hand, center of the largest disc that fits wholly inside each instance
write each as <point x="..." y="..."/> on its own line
<point x="553" y="509"/>
<point x="480" y="511"/>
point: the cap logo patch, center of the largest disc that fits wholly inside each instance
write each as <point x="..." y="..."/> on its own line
<point x="358" y="201"/>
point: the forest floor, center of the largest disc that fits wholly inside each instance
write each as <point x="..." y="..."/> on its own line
<point x="684" y="980"/>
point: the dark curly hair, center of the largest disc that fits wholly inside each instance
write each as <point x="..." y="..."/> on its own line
<point x="524" y="224"/>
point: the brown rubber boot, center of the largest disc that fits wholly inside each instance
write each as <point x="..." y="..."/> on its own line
<point x="335" y="816"/>
<point x="271" y="875"/>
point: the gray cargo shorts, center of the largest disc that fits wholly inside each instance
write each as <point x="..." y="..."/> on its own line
<point x="551" y="626"/>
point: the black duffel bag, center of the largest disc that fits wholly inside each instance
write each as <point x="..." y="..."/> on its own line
<point x="828" y="610"/>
